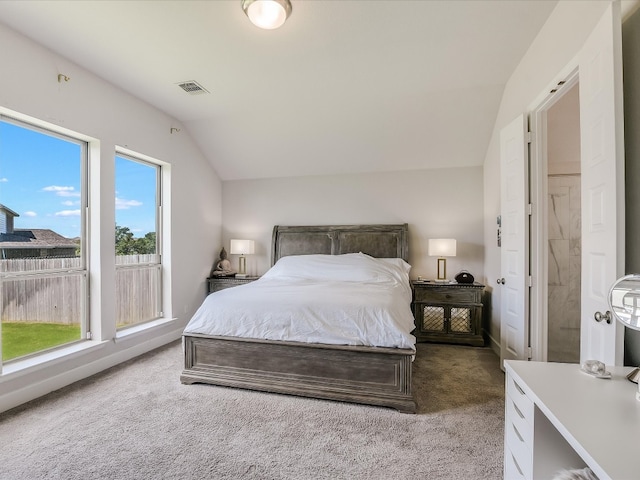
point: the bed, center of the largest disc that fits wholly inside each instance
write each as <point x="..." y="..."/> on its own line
<point x="359" y="373"/>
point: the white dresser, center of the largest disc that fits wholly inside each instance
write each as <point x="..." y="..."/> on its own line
<point x="557" y="417"/>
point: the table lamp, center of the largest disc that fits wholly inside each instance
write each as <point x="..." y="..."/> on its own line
<point x="242" y="248"/>
<point x="441" y="248"/>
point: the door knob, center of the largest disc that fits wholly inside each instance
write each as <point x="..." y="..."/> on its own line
<point x="599" y="316"/>
<point x="501" y="281"/>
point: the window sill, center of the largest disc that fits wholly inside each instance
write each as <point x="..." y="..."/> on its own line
<point x="131" y="332"/>
<point x="38" y="362"/>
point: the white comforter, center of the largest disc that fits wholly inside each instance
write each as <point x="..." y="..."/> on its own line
<point x="350" y="299"/>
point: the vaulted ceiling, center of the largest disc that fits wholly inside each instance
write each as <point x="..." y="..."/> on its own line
<point x="343" y="87"/>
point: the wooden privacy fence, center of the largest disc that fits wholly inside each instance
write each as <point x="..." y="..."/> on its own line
<point x="58" y="298"/>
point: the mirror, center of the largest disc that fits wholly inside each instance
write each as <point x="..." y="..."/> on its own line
<point x="624" y="302"/>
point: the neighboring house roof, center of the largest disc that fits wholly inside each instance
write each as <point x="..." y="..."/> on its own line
<point x="35" y="238"/>
<point x="8" y="210"/>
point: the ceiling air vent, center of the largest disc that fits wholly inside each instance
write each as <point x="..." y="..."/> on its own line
<point x="193" y="88"/>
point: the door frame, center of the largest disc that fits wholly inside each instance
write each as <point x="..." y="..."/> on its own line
<point x="539" y="229"/>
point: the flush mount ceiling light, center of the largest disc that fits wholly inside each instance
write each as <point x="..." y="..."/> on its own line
<point x="267" y="14"/>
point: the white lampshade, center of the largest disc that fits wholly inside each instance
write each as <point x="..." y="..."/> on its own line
<point x="442" y="247"/>
<point x="242" y="247"/>
<point x="267" y="14"/>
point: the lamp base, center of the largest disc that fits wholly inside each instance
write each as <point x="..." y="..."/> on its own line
<point x="442" y="270"/>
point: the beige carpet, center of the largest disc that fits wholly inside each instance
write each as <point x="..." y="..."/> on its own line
<point x="137" y="421"/>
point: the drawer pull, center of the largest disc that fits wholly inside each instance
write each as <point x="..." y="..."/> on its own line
<point x="520" y="414"/>
<point x="518" y="387"/>
<point x="517" y="433"/>
<point x="516" y="464"/>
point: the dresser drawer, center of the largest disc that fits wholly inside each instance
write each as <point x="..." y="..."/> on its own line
<point x="519" y="448"/>
<point x="513" y="470"/>
<point x="522" y="403"/>
<point x="447" y="295"/>
<point x="515" y="418"/>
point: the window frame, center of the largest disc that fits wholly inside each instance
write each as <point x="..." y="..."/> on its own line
<point x="158" y="166"/>
<point x="82" y="269"/>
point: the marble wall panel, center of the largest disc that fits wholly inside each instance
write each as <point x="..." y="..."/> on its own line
<point x="558" y="262"/>
<point x="559" y="212"/>
<point x="564" y="268"/>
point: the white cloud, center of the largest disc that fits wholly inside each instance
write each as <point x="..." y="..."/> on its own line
<point x="3" y="180"/>
<point x="68" y="213"/>
<point x="70" y="203"/>
<point x="122" y="204"/>
<point x="30" y="214"/>
<point x="62" y="191"/>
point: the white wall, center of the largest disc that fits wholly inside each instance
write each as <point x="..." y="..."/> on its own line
<point x="540" y="69"/>
<point x="90" y="106"/>
<point x="435" y="203"/>
<point x="563" y="134"/>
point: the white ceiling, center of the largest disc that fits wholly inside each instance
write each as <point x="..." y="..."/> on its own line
<point x="343" y="87"/>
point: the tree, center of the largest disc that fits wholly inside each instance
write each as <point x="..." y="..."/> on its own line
<point x="127" y="244"/>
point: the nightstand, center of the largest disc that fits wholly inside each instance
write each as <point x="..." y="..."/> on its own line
<point x="220" y="283"/>
<point x="448" y="312"/>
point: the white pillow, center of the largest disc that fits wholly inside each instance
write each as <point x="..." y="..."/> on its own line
<point x="399" y="263"/>
<point x="350" y="267"/>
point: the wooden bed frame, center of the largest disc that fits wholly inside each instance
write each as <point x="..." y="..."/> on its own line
<point x="369" y="375"/>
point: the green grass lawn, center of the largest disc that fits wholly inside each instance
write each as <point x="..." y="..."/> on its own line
<point x="22" y="338"/>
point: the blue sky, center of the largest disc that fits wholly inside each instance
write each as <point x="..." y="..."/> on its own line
<point x="40" y="179"/>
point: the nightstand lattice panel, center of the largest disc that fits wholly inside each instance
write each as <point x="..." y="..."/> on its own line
<point x="460" y="320"/>
<point x="433" y="318"/>
<point x="448" y="312"/>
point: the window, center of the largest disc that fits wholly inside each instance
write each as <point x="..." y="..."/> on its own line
<point x="137" y="233"/>
<point x="43" y="268"/>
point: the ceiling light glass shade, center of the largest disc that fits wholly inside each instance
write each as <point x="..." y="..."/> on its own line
<point x="267" y="14"/>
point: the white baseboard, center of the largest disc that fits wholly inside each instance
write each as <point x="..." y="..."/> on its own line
<point x="495" y="345"/>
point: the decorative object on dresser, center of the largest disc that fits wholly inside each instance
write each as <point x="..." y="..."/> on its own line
<point x="216" y="283"/>
<point x="441" y="248"/>
<point x="624" y="302"/>
<point x="448" y="312"/>
<point x="223" y="266"/>
<point x="464" y="277"/>
<point x="242" y="248"/>
<point x="373" y="375"/>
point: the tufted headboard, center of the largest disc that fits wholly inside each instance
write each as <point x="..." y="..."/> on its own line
<point x="380" y="241"/>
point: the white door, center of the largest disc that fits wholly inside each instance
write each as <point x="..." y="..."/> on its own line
<point x="513" y="285"/>
<point x="602" y="158"/>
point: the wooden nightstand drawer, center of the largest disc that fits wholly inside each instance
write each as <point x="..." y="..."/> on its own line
<point x="447" y="295"/>
<point x="215" y="284"/>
